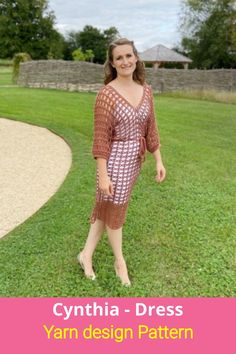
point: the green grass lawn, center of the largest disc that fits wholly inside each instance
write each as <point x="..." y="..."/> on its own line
<point x="180" y="235"/>
<point x="5" y="76"/>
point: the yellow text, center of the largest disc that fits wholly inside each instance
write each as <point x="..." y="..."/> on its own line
<point x="164" y="332"/>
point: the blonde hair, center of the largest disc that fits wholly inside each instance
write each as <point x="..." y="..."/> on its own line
<point x="110" y="72"/>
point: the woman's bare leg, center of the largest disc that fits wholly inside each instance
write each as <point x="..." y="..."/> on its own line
<point x="115" y="239"/>
<point x="95" y="232"/>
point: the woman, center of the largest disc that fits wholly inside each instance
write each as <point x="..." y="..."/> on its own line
<point x="124" y="127"/>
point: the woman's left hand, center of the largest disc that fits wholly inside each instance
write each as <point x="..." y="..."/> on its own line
<point x="161" y="172"/>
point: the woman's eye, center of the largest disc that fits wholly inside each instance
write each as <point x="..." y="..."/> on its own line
<point x="128" y="56"/>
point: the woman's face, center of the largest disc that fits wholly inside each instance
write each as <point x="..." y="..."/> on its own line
<point x="124" y="60"/>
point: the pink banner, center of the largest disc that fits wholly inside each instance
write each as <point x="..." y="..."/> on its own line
<point x="118" y="325"/>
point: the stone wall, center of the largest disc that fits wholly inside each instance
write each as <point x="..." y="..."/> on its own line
<point x="177" y="79"/>
<point x="84" y="76"/>
<point x="59" y="73"/>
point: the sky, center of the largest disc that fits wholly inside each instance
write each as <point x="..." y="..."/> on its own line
<point x="146" y="22"/>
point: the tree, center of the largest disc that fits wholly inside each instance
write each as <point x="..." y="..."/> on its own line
<point x="90" y="38"/>
<point x="78" y="55"/>
<point x="71" y="44"/>
<point x="209" y="32"/>
<point x="27" y="26"/>
<point x="56" y="47"/>
<point x="89" y="55"/>
<point x="81" y="56"/>
<point x="110" y="35"/>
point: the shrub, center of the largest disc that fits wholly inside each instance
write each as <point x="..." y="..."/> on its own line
<point x="17" y="59"/>
<point x="78" y="54"/>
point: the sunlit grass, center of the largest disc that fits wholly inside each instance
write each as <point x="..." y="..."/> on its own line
<point x="208" y="95"/>
<point x="6" y="75"/>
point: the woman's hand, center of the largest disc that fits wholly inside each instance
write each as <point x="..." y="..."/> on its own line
<point x="104" y="182"/>
<point x="161" y="172"/>
<point x="105" y="185"/>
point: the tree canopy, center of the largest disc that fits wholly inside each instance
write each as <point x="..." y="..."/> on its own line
<point x="28" y="26"/>
<point x="90" y="38"/>
<point x="209" y="32"/>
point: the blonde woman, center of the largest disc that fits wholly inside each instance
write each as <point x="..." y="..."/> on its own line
<point x="124" y="127"/>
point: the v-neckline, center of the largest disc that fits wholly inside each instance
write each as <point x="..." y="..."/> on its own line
<point x="140" y="102"/>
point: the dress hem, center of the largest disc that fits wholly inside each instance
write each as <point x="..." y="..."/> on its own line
<point x="111" y="214"/>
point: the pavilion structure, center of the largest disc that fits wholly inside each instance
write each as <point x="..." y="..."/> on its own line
<point x="159" y="55"/>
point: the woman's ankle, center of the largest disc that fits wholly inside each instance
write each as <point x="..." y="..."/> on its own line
<point x="86" y="255"/>
<point x="120" y="261"/>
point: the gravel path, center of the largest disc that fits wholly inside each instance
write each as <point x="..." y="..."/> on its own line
<point x="33" y="164"/>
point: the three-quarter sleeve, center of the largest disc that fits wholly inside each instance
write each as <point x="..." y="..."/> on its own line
<point x="102" y="126"/>
<point x="152" y="135"/>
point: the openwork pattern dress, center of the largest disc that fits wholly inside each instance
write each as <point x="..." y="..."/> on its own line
<point x="122" y="133"/>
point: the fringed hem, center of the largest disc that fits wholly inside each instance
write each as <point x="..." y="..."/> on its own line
<point x="113" y="215"/>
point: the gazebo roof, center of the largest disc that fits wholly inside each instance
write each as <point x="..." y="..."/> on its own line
<point x="160" y="53"/>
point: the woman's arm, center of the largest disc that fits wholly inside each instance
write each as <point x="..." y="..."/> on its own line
<point x="157" y="156"/>
<point x="105" y="184"/>
<point x="102" y="134"/>
<point x="153" y="141"/>
<point x="161" y="171"/>
<point x="102" y="140"/>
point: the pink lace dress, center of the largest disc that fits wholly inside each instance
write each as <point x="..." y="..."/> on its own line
<point x="122" y="133"/>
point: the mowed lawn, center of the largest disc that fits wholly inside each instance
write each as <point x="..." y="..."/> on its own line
<point x="180" y="235"/>
<point x="5" y="76"/>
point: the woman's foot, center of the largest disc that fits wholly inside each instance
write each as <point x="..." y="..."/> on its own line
<point x="122" y="272"/>
<point x="86" y="265"/>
